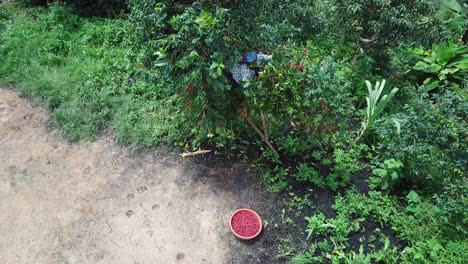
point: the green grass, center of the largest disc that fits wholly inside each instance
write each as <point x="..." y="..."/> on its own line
<point x="82" y="70"/>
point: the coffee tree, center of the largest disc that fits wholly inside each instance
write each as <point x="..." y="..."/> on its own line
<point x="87" y="7"/>
<point x="379" y="25"/>
<point x="189" y="45"/>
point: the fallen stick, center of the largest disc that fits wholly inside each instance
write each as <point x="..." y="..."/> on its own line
<point x="28" y="106"/>
<point x="198" y="152"/>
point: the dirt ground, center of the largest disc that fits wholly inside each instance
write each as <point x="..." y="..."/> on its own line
<point x="97" y="202"/>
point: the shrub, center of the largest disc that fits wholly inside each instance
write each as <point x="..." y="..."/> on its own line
<point x="297" y="86"/>
<point x="432" y="147"/>
<point x="431" y="141"/>
<point x="375" y="105"/>
<point x="446" y="63"/>
<point x="386" y="175"/>
<point x="307" y="174"/>
<point x="380" y="25"/>
<point x="346" y="164"/>
<point x="110" y="8"/>
<point x="275" y="180"/>
<point x="33" y="2"/>
<point x="88" y="8"/>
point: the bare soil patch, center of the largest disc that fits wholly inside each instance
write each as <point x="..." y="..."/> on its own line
<point x="97" y="202"/>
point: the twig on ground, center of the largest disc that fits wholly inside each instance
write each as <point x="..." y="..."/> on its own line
<point x="198" y="152"/>
<point x="28" y="106"/>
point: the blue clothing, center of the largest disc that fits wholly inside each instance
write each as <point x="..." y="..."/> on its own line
<point x="243" y="73"/>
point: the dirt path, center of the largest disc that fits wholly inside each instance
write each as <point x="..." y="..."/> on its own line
<point x="96" y="202"/>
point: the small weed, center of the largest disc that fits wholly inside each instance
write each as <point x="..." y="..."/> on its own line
<point x="316" y="225"/>
<point x="289" y="222"/>
<point x="286" y="247"/>
<point x="324" y="246"/>
<point x="326" y="162"/>
<point x="308" y="174"/>
<point x="276" y="180"/>
<point x="308" y="257"/>
<point x="386" y="175"/>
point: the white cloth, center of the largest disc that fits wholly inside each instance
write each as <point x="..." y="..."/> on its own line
<point x="242" y="73"/>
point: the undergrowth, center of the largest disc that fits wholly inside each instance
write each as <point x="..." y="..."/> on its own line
<point x="83" y="71"/>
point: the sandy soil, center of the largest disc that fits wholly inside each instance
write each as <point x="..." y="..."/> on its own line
<point x="96" y="202"/>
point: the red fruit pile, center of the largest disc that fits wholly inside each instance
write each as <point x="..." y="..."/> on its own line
<point x="245" y="223"/>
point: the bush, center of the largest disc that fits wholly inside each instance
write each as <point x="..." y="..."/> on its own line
<point x="431" y="141"/>
<point x="386" y="175"/>
<point x="297" y="85"/>
<point x="444" y="65"/>
<point x="379" y="25"/>
<point x="110" y="8"/>
<point x="33" y="2"/>
<point x="193" y="46"/>
<point x="308" y="174"/>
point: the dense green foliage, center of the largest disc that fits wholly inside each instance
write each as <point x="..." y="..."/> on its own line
<point x="420" y="224"/>
<point x="159" y="76"/>
<point x="81" y="70"/>
<point x="109" y="8"/>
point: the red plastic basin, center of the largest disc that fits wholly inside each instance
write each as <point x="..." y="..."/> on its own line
<point x="245" y="224"/>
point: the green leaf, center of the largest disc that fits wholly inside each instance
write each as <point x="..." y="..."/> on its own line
<point x="206" y="20"/>
<point x="412" y="208"/>
<point x="397" y="125"/>
<point x="424" y="67"/>
<point x="380" y="172"/>
<point x="461" y="63"/>
<point x="454" y="5"/>
<point x="456" y="22"/>
<point x="418" y="51"/>
<point x="454" y="246"/>
<point x="413" y="197"/>
<point x="160" y="63"/>
<point x="445" y="52"/>
<point x="431" y="86"/>
<point x="449" y="71"/>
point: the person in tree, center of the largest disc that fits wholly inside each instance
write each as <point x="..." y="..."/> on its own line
<point x="247" y="68"/>
<point x="250" y="66"/>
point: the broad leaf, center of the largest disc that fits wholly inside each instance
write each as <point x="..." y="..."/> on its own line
<point x="461" y="63"/>
<point x="418" y="51"/>
<point x="431" y="86"/>
<point x="446" y="52"/>
<point x="397" y="125"/>
<point x="394" y="176"/>
<point x="413" y="197"/>
<point x="449" y="71"/>
<point x="456" y="22"/>
<point x="424" y="67"/>
<point x="454" y="5"/>
<point x="412" y="208"/>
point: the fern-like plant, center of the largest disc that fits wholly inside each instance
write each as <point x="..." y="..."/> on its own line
<point x="375" y="105"/>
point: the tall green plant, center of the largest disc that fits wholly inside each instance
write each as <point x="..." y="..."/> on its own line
<point x="457" y="20"/>
<point x="375" y="105"/>
<point x="445" y="62"/>
<point x="378" y="26"/>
